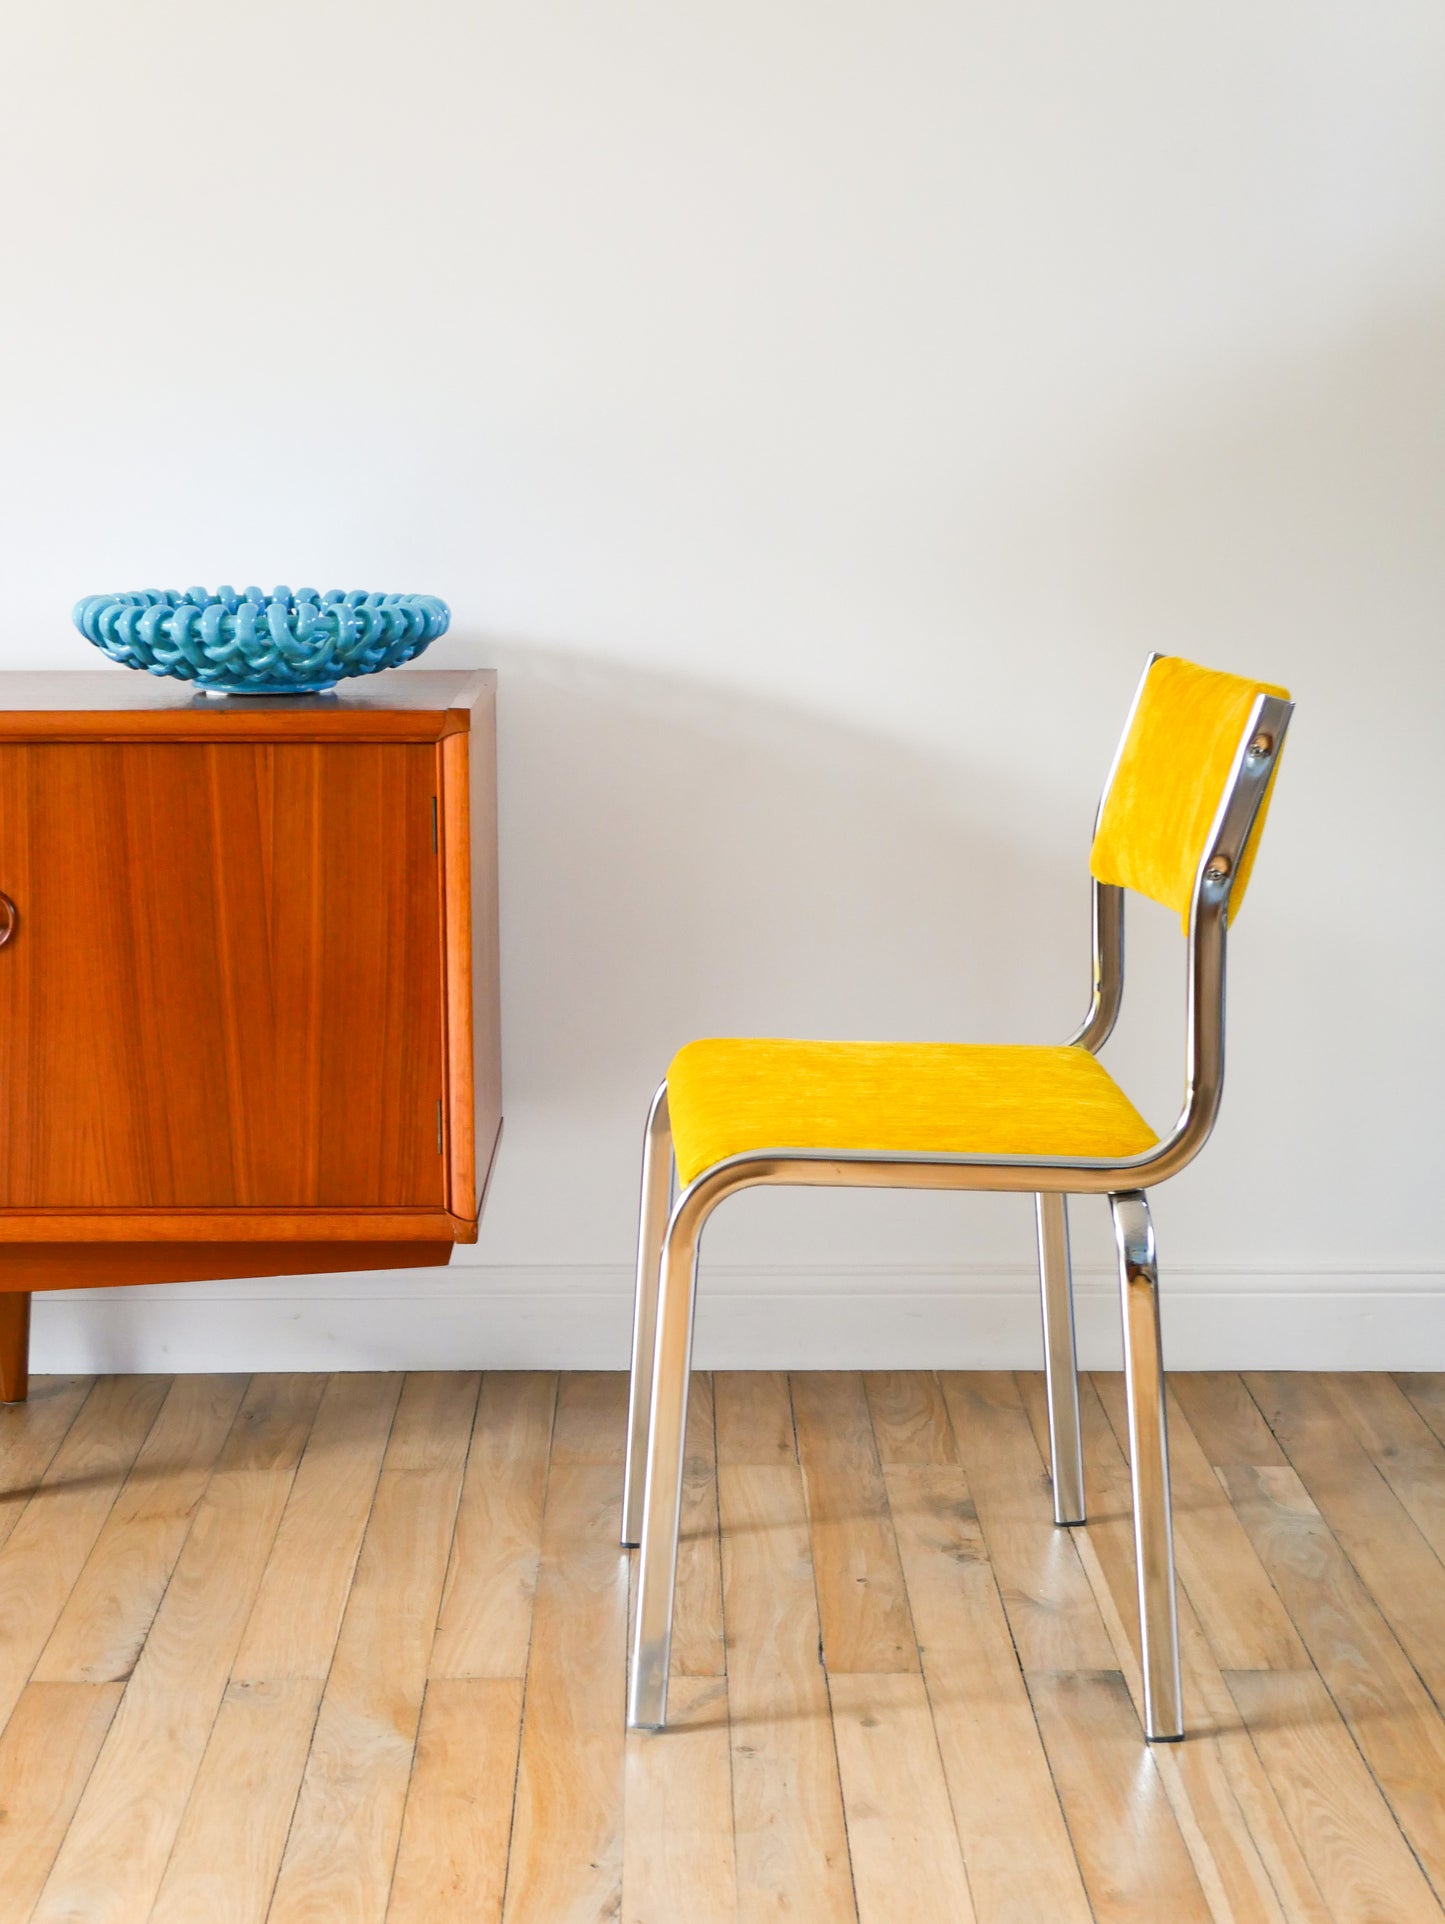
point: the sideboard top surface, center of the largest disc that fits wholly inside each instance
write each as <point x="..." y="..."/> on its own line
<point x="400" y="704"/>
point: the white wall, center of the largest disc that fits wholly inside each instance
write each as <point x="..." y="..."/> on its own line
<point x="816" y="412"/>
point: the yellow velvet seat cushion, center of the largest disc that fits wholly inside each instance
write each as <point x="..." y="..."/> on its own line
<point x="1169" y="782"/>
<point x="727" y="1097"/>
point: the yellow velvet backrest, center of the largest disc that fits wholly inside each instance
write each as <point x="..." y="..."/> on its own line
<point x="1170" y="779"/>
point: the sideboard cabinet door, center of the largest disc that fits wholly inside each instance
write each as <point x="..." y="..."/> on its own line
<point x="224" y="983"/>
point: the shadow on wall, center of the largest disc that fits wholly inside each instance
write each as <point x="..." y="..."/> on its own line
<point x="681" y="861"/>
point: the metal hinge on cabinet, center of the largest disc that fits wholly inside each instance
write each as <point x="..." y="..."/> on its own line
<point x="433" y="824"/>
<point x="439" y="1125"/>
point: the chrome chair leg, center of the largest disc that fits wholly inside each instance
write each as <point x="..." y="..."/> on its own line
<point x="1061" y="1368"/>
<point x="657" y="1184"/>
<point x="662" y="1505"/>
<point x="1149" y="1466"/>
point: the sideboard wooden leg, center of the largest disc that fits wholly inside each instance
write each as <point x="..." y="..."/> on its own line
<point x="14" y="1345"/>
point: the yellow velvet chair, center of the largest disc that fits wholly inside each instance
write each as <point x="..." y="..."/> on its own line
<point x="1180" y="821"/>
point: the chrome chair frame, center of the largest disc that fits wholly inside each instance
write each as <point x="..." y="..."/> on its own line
<point x="671" y="1225"/>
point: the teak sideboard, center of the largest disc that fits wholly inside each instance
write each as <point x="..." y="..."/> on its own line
<point x="249" y="1004"/>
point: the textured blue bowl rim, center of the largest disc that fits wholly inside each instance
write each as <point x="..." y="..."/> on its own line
<point x="297" y="643"/>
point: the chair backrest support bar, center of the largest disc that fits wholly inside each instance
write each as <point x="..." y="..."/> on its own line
<point x="1108" y="919"/>
<point x="1239" y="807"/>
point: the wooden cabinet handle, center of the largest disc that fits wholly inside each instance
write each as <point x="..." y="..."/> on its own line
<point x="8" y="919"/>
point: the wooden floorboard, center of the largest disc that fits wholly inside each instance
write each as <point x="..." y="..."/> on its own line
<point x="223" y="1864"/>
<point x="292" y="1648"/>
<point x="901" y="1834"/>
<point x="485" y="1628"/>
<point x="993" y="1756"/>
<point x="697" y="1611"/>
<point x="51" y="1542"/>
<point x="677" y="1857"/>
<point x="1231" y="1825"/>
<point x="99" y="1633"/>
<point x="566" y="1849"/>
<point x="861" y="1600"/>
<point x="111" y="1862"/>
<point x="787" y="1804"/>
<point x="451" y="1867"/>
<point x="1390" y="1714"/>
<point x="30" y="1434"/>
<point x="47" y="1753"/>
<point x="343" y="1840"/>
<point x="1392" y="1558"/>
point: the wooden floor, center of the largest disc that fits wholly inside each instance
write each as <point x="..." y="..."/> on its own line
<point x="302" y="1648"/>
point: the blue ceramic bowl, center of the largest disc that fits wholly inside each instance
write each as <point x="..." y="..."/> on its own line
<point x="257" y="644"/>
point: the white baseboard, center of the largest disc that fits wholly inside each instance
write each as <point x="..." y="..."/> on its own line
<point x="481" y="1317"/>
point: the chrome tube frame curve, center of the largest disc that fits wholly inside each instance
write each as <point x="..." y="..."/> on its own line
<point x="1108" y="921"/>
<point x="659" y="1406"/>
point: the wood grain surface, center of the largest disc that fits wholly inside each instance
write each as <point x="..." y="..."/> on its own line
<point x="411" y="704"/>
<point x="225" y="986"/>
<point x="353" y="1649"/>
<point x="252" y="996"/>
